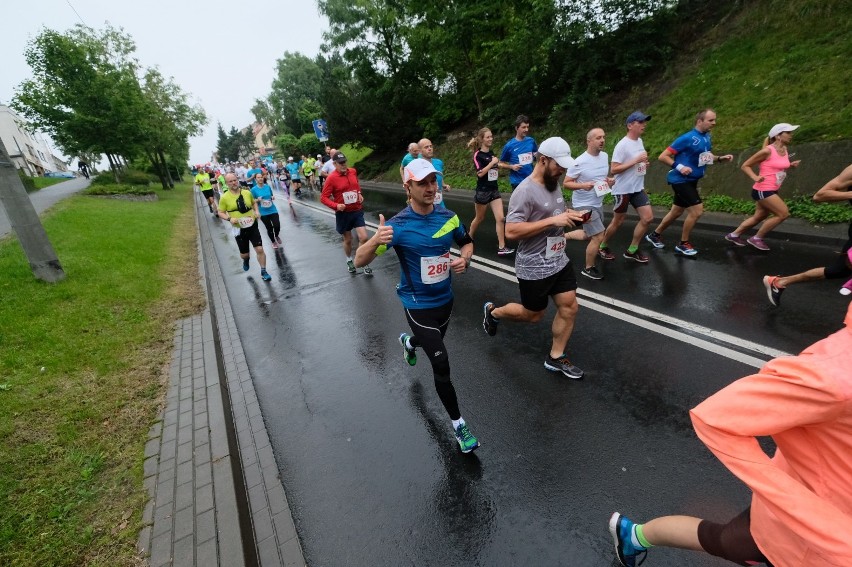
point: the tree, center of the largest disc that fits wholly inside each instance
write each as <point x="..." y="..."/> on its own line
<point x="294" y="101"/>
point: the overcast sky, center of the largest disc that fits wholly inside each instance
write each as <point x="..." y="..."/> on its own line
<point x="221" y="52"/>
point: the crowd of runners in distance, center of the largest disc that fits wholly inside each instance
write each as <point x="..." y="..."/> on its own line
<point x="801" y="510"/>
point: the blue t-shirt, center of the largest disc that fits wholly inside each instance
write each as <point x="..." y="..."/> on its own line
<point x="407" y="159"/>
<point x="420" y="242"/>
<point x="250" y="175"/>
<point x="293" y="170"/>
<point x="687" y="150"/>
<point x="517" y="152"/>
<point x="264" y="192"/>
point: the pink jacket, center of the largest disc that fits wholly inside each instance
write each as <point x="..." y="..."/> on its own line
<point x="801" y="508"/>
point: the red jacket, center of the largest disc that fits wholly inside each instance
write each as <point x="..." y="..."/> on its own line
<point x="342" y="188"/>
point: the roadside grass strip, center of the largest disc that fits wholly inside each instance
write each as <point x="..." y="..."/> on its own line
<point x="42" y="182"/>
<point x="83" y="368"/>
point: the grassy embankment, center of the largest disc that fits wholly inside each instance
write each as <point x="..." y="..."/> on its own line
<point x="42" y="182"/>
<point x="774" y="61"/>
<point x="84" y="366"/>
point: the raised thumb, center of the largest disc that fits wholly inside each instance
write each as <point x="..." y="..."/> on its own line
<point x="381" y="219"/>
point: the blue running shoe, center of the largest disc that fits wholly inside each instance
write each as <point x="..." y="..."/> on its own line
<point x="245" y="265"/>
<point x="467" y="442"/>
<point x="621" y="529"/>
<point x="264" y="275"/>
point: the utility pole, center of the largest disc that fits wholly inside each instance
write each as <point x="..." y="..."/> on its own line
<point x="26" y="223"/>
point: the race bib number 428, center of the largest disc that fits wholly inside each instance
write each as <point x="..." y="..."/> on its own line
<point x="434" y="269"/>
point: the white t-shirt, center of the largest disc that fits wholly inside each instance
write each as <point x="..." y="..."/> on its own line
<point x="328" y="167"/>
<point x="584" y="169"/>
<point x="632" y="180"/>
<point x="241" y="173"/>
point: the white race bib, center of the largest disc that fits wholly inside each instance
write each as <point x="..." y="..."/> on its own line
<point x="350" y="197"/>
<point x="780" y="177"/>
<point x="524" y="159"/>
<point x="555" y="246"/>
<point x="434" y="269"/>
<point x="245" y="222"/>
<point x="641" y="168"/>
<point x="492" y="174"/>
<point x="266" y="203"/>
<point x="439" y="198"/>
<point x="705" y="158"/>
<point x="602" y="188"/>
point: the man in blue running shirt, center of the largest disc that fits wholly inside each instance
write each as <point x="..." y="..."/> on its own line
<point x="427" y="152"/>
<point x="422" y="234"/>
<point x="688" y="156"/>
<point x="517" y="154"/>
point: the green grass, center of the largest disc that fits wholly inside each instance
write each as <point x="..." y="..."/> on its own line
<point x="42" y="182"/>
<point x="118" y="189"/>
<point x="82" y="374"/>
<point x="353" y="154"/>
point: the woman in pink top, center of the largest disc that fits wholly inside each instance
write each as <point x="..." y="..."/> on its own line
<point x="774" y="161"/>
<point x="801" y="507"/>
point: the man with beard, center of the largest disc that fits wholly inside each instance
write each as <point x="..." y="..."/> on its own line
<point x="537" y="219"/>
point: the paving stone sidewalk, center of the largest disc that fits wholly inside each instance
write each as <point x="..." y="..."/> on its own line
<point x="215" y="494"/>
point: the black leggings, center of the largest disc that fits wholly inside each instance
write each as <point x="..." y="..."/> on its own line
<point x="429" y="327"/>
<point x="272" y="223"/>
<point x="732" y="541"/>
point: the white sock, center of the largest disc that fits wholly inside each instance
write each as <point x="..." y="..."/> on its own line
<point x="457" y="422"/>
<point x="408" y="343"/>
<point x="349" y="258"/>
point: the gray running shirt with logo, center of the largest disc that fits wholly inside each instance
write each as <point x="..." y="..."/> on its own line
<point x="542" y="255"/>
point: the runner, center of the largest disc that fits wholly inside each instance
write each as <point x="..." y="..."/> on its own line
<point x="537" y="219"/>
<point x="487" y="194"/>
<point x="688" y="156"/>
<point x="238" y="207"/>
<point x="589" y="180"/>
<point x="773" y="162"/>
<point x="517" y="154"/>
<point x="835" y="190"/>
<point x="264" y="198"/>
<point x="413" y="153"/>
<point x="427" y="152"/>
<point x="295" y="180"/>
<point x="307" y="166"/>
<point x="272" y="168"/>
<point x="202" y="180"/>
<point x="421" y="234"/>
<point x="241" y="171"/>
<point x="342" y="194"/>
<point x="801" y="506"/>
<point x="318" y="169"/>
<point x="629" y="166"/>
<point x="251" y="174"/>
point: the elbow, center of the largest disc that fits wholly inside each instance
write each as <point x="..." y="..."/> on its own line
<point x="511" y="233"/>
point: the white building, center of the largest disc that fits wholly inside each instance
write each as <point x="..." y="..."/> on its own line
<point x="29" y="151"/>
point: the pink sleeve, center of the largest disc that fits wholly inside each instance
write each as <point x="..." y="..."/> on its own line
<point x="788" y="393"/>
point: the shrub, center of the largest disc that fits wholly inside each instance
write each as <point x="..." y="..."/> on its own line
<point x="28" y="182"/>
<point x="120" y="189"/>
<point x="135" y="177"/>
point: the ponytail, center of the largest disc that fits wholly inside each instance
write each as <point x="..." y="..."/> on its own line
<point x="766" y="141"/>
<point x="480" y="136"/>
<point x="472" y="142"/>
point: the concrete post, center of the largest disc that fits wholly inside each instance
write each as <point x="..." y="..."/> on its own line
<point x="26" y="224"/>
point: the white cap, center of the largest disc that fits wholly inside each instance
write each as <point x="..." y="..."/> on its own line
<point x="417" y="169"/>
<point x="557" y="149"/>
<point x="290" y="158"/>
<point x="780" y="128"/>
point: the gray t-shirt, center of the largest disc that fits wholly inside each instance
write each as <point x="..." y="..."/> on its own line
<point x="542" y="255"/>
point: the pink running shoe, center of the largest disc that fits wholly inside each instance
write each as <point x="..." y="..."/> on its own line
<point x="758" y="243"/>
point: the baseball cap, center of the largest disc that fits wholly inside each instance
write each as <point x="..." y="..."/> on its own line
<point x="638" y="116"/>
<point x="290" y="158"/>
<point x="339" y="158"/>
<point x="557" y="149"/>
<point x="780" y="128"/>
<point x="319" y="155"/>
<point x="417" y="169"/>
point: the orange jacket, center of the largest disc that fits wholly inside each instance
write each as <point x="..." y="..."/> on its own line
<point x="801" y="508"/>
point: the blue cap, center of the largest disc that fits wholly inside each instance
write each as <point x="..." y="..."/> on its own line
<point x="638" y="116"/>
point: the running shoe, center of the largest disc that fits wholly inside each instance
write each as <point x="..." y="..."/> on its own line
<point x="467" y="442"/>
<point x="621" y="529"/>
<point x="211" y="208"/>
<point x="351" y="266"/>
<point x="274" y="245"/>
<point x="606" y="254"/>
<point x="409" y="354"/>
<point x="773" y="292"/>
<point x="758" y="243"/>
<point x="264" y="275"/>
<point x="686" y="249"/>
<point x="489" y="323"/>
<point x="847" y="288"/>
<point x="736" y="240"/>
<point x="245" y="265"/>
<point x="636" y="256"/>
<point x="592" y="273"/>
<point x="505" y="251"/>
<point x="563" y="365"/>
<point x="655" y="240"/>
<point x="368" y="271"/>
<point x="278" y="240"/>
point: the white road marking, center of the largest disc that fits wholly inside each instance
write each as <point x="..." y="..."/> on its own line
<point x="647" y="319"/>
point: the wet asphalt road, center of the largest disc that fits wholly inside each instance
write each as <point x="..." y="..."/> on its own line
<point x="367" y="457"/>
